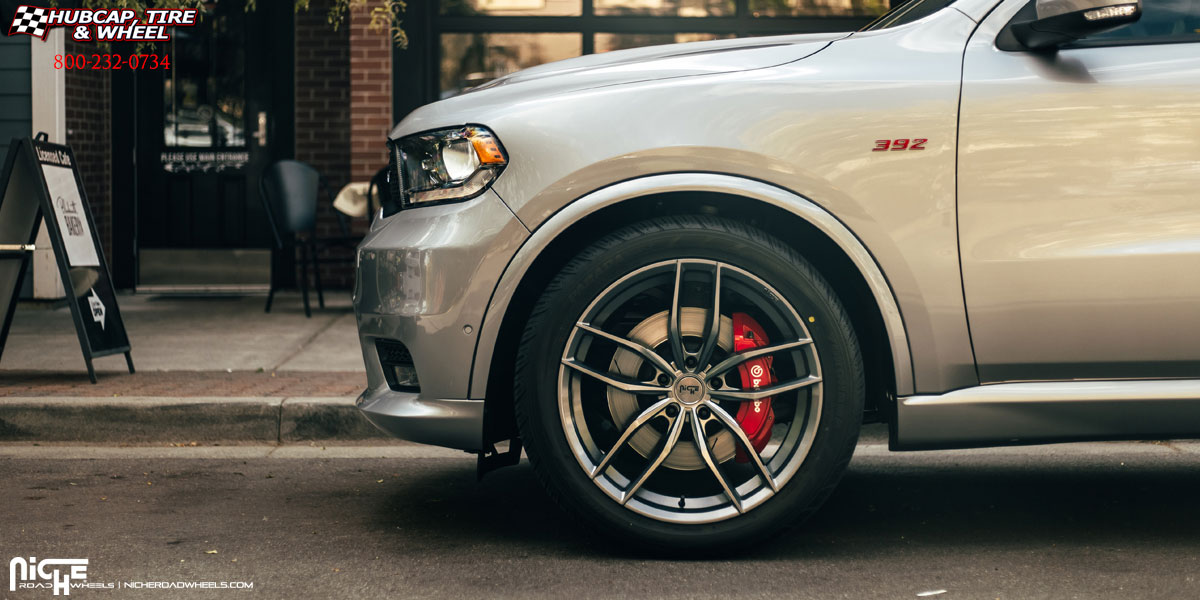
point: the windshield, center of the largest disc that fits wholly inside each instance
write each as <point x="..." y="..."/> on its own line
<point x="907" y="13"/>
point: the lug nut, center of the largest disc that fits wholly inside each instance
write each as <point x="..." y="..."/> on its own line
<point x="663" y="380"/>
<point x="715" y="383"/>
<point x="672" y="411"/>
<point x="704" y="412"/>
<point x="690" y="362"/>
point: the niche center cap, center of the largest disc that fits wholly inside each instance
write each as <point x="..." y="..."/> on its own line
<point x="689" y="390"/>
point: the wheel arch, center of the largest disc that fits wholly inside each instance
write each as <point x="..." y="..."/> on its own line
<point x="813" y="232"/>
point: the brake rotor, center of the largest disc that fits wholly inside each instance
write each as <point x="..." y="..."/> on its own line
<point x="652" y="333"/>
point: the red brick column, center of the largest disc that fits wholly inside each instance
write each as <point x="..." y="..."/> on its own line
<point x="370" y="96"/>
<point x="323" y="121"/>
<point x="322" y="94"/>
<point x="343" y="113"/>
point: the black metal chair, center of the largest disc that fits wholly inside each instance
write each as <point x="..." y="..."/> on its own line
<point x="290" y="190"/>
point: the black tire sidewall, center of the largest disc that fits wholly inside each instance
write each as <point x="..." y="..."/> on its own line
<point x="588" y="275"/>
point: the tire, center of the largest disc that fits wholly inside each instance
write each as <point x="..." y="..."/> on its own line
<point x="597" y="413"/>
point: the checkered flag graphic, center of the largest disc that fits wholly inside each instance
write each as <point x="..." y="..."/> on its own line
<point x="30" y="20"/>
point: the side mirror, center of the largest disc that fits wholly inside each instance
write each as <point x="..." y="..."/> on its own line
<point x="1061" y="22"/>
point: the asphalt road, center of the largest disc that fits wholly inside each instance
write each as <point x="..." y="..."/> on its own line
<point x="1073" y="521"/>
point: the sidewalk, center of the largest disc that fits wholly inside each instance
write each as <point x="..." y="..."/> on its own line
<point x="209" y="369"/>
<point x="196" y="334"/>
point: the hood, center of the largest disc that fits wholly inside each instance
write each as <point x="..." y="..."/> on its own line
<point x="615" y="68"/>
<point x="674" y="60"/>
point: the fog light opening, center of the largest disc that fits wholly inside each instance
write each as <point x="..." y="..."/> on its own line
<point x="398" y="366"/>
<point x="404" y="377"/>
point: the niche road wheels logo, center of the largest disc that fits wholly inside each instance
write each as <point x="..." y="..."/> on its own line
<point x="53" y="573"/>
<point x="61" y="575"/>
<point x="102" y="24"/>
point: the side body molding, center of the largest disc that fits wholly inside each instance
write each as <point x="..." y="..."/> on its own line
<point x="633" y="189"/>
<point x="1037" y="412"/>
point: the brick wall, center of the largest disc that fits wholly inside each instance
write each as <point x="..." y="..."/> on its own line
<point x="370" y="96"/>
<point x="89" y="133"/>
<point x="343" y="114"/>
<point x="323" y="119"/>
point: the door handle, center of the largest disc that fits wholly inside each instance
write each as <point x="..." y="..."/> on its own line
<point x="261" y="134"/>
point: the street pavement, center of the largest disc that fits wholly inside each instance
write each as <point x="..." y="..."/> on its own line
<point x="1088" y="521"/>
<point x="330" y="519"/>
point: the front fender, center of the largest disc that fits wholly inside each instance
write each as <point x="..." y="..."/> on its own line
<point x="645" y="187"/>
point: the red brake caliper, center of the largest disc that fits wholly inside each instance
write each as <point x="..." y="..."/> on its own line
<point x="755" y="417"/>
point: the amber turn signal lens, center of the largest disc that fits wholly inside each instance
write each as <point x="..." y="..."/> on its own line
<point x="488" y="150"/>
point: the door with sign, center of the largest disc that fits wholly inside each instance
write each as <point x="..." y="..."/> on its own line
<point x="206" y="129"/>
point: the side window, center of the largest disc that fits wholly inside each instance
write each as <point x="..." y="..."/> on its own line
<point x="1162" y="22"/>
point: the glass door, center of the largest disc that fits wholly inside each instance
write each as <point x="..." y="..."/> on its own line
<point x="204" y="136"/>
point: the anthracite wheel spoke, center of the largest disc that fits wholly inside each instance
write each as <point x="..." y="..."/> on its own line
<point x="621" y="383"/>
<point x="760" y="393"/>
<point x="647" y="353"/>
<point x="632" y="428"/>
<point x="667" y="447"/>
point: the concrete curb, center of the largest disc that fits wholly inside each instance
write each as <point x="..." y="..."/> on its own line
<point x="137" y="420"/>
<point x="141" y="420"/>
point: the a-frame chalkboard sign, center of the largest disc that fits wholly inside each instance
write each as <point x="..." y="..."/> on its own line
<point x="40" y="178"/>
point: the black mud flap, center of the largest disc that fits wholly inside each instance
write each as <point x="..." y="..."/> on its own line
<point x="491" y="458"/>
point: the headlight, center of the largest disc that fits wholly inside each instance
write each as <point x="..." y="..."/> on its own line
<point x="446" y="165"/>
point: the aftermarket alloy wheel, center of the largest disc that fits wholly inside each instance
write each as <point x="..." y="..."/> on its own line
<point x="690" y="383"/>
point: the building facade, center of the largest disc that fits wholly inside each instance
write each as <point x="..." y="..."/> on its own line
<point x="171" y="158"/>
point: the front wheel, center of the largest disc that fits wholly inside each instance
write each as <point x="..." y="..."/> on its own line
<point x="689" y="383"/>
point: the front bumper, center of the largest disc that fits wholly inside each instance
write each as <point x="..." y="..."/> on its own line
<point x="424" y="279"/>
<point x="406" y="415"/>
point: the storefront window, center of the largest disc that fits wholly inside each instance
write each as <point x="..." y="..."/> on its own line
<point x="818" y="8"/>
<point x="512" y="8"/>
<point x="471" y="59"/>
<point x="606" y="42"/>
<point x="204" y="90"/>
<point x="481" y="40"/>
<point x="677" y="8"/>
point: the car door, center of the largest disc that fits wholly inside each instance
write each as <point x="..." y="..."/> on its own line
<point x="1079" y="201"/>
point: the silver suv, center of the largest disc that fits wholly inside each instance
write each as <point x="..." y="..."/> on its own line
<point x="682" y="277"/>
